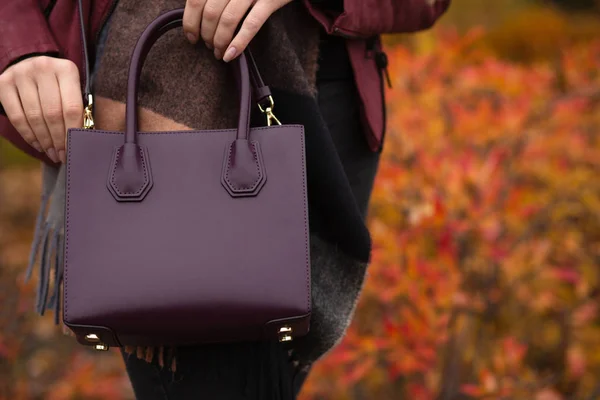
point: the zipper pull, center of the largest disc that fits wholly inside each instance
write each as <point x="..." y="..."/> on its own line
<point x="381" y="60"/>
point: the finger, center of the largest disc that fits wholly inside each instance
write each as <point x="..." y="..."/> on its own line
<point x="51" y="103"/>
<point x="210" y="18"/>
<point x="71" y="98"/>
<point x="255" y="19"/>
<point x="28" y="92"/>
<point x="9" y="97"/>
<point x="228" y="23"/>
<point x="191" y="19"/>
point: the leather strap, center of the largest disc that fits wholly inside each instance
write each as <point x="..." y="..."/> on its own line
<point x="261" y="91"/>
<point x="86" y="62"/>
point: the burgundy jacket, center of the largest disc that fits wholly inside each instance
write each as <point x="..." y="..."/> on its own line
<point x="52" y="26"/>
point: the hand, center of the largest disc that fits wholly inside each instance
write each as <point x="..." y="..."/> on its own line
<point x="42" y="99"/>
<point x="215" y="22"/>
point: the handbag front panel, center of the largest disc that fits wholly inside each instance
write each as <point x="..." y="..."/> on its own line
<point x="188" y="263"/>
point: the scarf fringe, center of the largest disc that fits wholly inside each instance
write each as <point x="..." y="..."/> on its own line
<point x="37" y="235"/>
<point x="47" y="249"/>
<point x="261" y="370"/>
<point x="148" y="354"/>
<point x="275" y="381"/>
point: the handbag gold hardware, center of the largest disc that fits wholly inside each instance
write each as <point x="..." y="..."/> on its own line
<point x="88" y="118"/>
<point x="92" y="338"/>
<point x="268" y="111"/>
<point x="285" y="334"/>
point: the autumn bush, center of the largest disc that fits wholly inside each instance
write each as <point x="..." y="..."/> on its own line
<point x="486" y="223"/>
<point x="484" y="281"/>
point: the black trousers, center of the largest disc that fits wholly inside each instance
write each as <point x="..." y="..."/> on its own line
<point x="339" y="103"/>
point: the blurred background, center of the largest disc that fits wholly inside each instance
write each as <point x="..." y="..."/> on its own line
<point x="485" y="282"/>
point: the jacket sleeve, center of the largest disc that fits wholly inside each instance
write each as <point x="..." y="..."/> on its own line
<point x="362" y="18"/>
<point x="23" y="31"/>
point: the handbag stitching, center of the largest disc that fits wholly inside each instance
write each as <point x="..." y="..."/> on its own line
<point x="66" y="261"/>
<point x="68" y="197"/>
<point x="306" y="246"/>
<point x="258" y="169"/>
<point x="112" y="179"/>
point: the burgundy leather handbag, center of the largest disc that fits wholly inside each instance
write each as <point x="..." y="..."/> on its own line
<point x="187" y="237"/>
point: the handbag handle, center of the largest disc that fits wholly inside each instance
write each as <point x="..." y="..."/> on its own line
<point x="130" y="177"/>
<point x="161" y="25"/>
<point x="262" y="92"/>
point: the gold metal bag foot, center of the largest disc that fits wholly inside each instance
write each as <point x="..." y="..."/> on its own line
<point x="285" y="334"/>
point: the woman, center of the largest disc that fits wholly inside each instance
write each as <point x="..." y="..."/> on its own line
<point x="40" y="90"/>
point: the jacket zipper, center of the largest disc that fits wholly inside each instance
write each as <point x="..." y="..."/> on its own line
<point x="389" y="82"/>
<point x="381" y="58"/>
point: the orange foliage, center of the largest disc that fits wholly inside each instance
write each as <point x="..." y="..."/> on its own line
<point x="486" y="223"/>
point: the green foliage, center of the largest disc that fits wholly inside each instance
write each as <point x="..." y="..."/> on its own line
<point x="464" y="14"/>
<point x="10" y="156"/>
<point x="537" y="34"/>
<point x="578" y="4"/>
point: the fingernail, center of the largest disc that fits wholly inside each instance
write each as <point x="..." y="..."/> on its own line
<point x="208" y="45"/>
<point x="61" y="155"/>
<point x="191" y="37"/>
<point x="52" y="154"/>
<point x="229" y="54"/>
<point x="218" y="54"/>
<point x="37" y="146"/>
